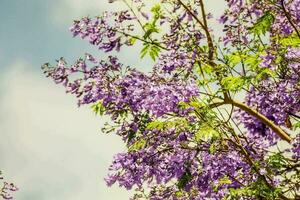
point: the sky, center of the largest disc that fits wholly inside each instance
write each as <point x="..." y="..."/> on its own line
<point x="50" y="148"/>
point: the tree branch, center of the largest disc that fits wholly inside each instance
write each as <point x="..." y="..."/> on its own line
<point x="281" y="133"/>
<point x="141" y="39"/>
<point x="288" y="16"/>
<point x="204" y="27"/>
<point x="209" y="39"/>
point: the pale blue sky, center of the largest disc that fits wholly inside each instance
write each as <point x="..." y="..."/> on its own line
<point x="48" y="147"/>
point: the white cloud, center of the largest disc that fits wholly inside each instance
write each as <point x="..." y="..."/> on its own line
<point x="48" y="147"/>
<point x="65" y="11"/>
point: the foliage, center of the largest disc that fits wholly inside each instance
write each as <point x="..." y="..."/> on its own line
<point x="263" y="24"/>
<point x="209" y="120"/>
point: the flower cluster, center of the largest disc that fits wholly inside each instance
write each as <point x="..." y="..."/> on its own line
<point x="277" y="99"/>
<point x="7" y="189"/>
<point x="106" y="31"/>
<point x="118" y="90"/>
<point x="167" y="157"/>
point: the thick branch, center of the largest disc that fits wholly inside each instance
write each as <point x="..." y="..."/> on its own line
<point x="281" y="133"/>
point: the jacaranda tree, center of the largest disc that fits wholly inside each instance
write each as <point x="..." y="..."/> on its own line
<point x="217" y="117"/>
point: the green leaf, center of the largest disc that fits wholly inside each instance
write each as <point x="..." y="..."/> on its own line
<point x="156" y="8"/>
<point x="239" y="192"/>
<point x="290" y="41"/>
<point x="150" y="28"/>
<point x="206" y="132"/>
<point x="131" y="135"/>
<point x="179" y="123"/>
<point x="98" y="108"/>
<point x="138" y="145"/>
<point x="276" y="161"/>
<point x="252" y="61"/>
<point x="296" y="125"/>
<point x="145" y="49"/>
<point x="159" y="125"/>
<point x="195" y="104"/>
<point x="152" y="49"/>
<point x="233" y="83"/>
<point x="152" y="55"/>
<point x="183" y="105"/>
<point x="224" y="180"/>
<point x="154" y="52"/>
<point x="263" y="24"/>
<point x="263" y="73"/>
<point x="208" y="69"/>
<point x="179" y="194"/>
<point x="132" y="41"/>
<point x="257" y="189"/>
<point x="184" y="179"/>
<point x="234" y="59"/>
<point x="212" y="149"/>
<point x="157" y="13"/>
